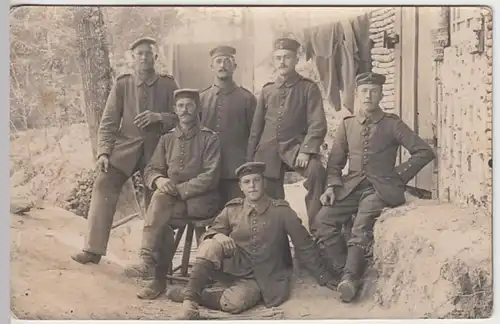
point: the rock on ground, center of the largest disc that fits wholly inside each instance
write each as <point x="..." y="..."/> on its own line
<point x="434" y="260"/>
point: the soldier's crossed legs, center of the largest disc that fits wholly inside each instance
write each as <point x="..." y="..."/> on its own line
<point x="315" y="175"/>
<point x="242" y="294"/>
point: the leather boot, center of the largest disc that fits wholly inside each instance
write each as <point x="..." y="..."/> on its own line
<point x="351" y="280"/>
<point x="145" y="269"/>
<point x="85" y="257"/>
<point x="202" y="269"/>
<point x="159" y="284"/>
<point x="189" y="310"/>
<point x="153" y="289"/>
<point x="208" y="299"/>
<point x="176" y="294"/>
<point x="335" y="257"/>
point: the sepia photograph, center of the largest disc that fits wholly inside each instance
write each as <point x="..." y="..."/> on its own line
<point x="251" y="162"/>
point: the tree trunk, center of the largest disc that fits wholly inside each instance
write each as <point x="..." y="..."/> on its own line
<point x="95" y="67"/>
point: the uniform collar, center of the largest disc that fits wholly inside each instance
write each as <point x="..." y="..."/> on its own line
<point x="189" y="134"/>
<point x="225" y="88"/>
<point x="260" y="206"/>
<point x="375" y="117"/>
<point x="291" y="80"/>
<point x="149" y="80"/>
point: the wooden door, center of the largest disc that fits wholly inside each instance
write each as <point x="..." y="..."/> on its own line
<point x="415" y="80"/>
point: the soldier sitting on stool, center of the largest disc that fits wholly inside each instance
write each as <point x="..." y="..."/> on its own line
<point x="185" y="171"/>
<point x="248" y="242"/>
<point x="370" y="140"/>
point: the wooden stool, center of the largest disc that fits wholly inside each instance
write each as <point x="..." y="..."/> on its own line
<point x="194" y="227"/>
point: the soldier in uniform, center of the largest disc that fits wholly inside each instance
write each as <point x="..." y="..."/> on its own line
<point x="369" y="140"/>
<point x="184" y="172"/>
<point x="138" y="111"/>
<point x="228" y="109"/>
<point x="247" y="248"/>
<point x="289" y="127"/>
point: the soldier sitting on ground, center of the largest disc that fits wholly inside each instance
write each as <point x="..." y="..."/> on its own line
<point x="184" y="171"/>
<point x="248" y="246"/>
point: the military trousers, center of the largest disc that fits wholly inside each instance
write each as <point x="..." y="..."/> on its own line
<point x="240" y="293"/>
<point x="315" y="182"/>
<point x="157" y="235"/>
<point x="229" y="189"/>
<point x="105" y="194"/>
<point x="365" y="204"/>
<point x="165" y="213"/>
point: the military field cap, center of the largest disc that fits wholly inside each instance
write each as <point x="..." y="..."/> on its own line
<point x="370" y="78"/>
<point x="250" y="168"/>
<point x="286" y="43"/>
<point x="142" y="40"/>
<point x="222" y="51"/>
<point x="187" y="93"/>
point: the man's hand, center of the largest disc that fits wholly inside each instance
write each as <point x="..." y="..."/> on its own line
<point x="166" y="186"/>
<point x="146" y="118"/>
<point x="328" y="197"/>
<point x="102" y="163"/>
<point x="227" y="243"/>
<point x="302" y="160"/>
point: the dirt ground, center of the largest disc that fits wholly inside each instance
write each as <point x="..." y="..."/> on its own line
<point x="431" y="259"/>
<point x="47" y="284"/>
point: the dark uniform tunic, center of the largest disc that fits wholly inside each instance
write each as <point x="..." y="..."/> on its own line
<point x="229" y="112"/>
<point x="119" y="137"/>
<point x="192" y="161"/>
<point x="129" y="148"/>
<point x="289" y="119"/>
<point x="261" y="236"/>
<point x="373" y="182"/>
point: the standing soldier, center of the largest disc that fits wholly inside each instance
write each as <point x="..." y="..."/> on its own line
<point x="289" y="127"/>
<point x="370" y="140"/>
<point x="138" y="110"/>
<point x="228" y="109"/>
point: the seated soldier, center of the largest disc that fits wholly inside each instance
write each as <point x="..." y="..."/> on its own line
<point x="184" y="171"/>
<point x="248" y="243"/>
<point x="369" y="140"/>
